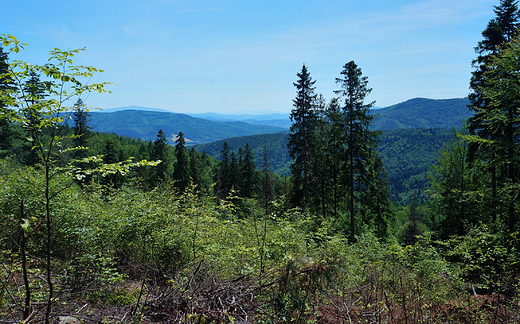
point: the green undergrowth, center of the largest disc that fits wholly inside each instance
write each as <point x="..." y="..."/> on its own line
<point x="126" y="248"/>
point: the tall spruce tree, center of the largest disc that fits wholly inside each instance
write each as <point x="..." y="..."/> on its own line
<point x="81" y="127"/>
<point x="82" y="133"/>
<point x="234" y="172"/>
<point x="248" y="173"/>
<point x="376" y="196"/>
<point x="195" y="168"/>
<point x="301" y="138"/>
<point x="181" y="170"/>
<point x="224" y="176"/>
<point x="500" y="30"/>
<point x="112" y="153"/>
<point x="414" y="226"/>
<point x="161" y="151"/>
<point x="321" y="174"/>
<point x="33" y="93"/>
<point x="267" y="192"/>
<point x="358" y="139"/>
<point x="501" y="118"/>
<point x="334" y="150"/>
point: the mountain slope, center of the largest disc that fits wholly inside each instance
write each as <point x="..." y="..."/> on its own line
<point x="423" y="113"/>
<point x="406" y="153"/>
<point x="413" y="113"/>
<point x="146" y="124"/>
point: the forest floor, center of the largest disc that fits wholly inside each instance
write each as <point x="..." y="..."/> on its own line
<point x="204" y="298"/>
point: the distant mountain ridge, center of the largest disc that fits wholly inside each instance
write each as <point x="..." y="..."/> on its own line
<point x="146" y="125"/>
<point x="110" y="110"/>
<point x="268" y="119"/>
<point x="143" y="122"/>
<point x="412" y="113"/>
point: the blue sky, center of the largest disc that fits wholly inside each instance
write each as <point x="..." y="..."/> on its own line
<point x="243" y="56"/>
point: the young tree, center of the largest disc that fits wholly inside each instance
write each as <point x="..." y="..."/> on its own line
<point x="301" y="137"/>
<point x="39" y="108"/>
<point x="358" y="139"/>
<point x="181" y="172"/>
<point x="41" y="112"/>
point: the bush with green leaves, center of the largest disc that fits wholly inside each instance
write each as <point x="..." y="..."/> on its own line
<point x="20" y="183"/>
<point x="488" y="260"/>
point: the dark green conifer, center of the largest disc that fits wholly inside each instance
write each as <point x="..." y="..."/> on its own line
<point x="112" y="154"/>
<point x="500" y="31"/>
<point x="33" y="92"/>
<point x="301" y="138"/>
<point x="181" y="170"/>
<point x="161" y="151"/>
<point x="248" y="174"/>
<point x="358" y="139"/>
<point x="267" y="192"/>
<point x="5" y="88"/>
<point x="195" y="168"/>
<point x="224" y="176"/>
<point x="81" y="127"/>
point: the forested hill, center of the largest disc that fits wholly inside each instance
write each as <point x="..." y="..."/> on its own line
<point x="407" y="155"/>
<point x="143" y="122"/>
<point x="423" y="113"/>
<point x="146" y="124"/>
<point x="413" y="113"/>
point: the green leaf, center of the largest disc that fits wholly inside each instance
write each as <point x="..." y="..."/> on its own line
<point x="25" y="225"/>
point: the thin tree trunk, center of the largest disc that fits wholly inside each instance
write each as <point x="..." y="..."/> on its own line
<point x="494" y="210"/>
<point x="27" y="307"/>
<point x="49" y="233"/>
<point x="351" y="157"/>
<point x="511" y="169"/>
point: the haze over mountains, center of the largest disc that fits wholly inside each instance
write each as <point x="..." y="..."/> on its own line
<point x="144" y="123"/>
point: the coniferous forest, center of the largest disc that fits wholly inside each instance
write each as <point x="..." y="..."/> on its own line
<point x="101" y="228"/>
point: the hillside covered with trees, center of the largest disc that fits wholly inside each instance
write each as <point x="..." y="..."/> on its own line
<point x="423" y="113"/>
<point x="412" y="113"/>
<point x="144" y="125"/>
<point x="406" y="153"/>
<point x="102" y="228"/>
